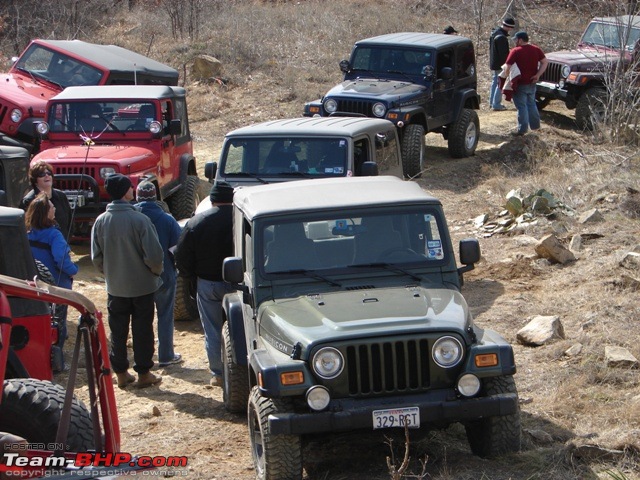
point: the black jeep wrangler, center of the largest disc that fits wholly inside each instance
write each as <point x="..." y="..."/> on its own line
<point x="422" y="82"/>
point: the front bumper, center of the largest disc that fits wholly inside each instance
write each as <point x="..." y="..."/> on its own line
<point x="436" y="408"/>
<point x="551" y="90"/>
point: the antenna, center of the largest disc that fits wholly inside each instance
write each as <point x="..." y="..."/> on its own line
<point x="135" y="74"/>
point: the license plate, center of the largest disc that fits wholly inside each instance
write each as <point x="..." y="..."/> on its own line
<point x="396" y="417"/>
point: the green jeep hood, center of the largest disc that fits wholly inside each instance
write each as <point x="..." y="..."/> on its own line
<point x="337" y="316"/>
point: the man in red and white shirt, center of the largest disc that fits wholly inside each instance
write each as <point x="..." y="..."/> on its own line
<point x="532" y="63"/>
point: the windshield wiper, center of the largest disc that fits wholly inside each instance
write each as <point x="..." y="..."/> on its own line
<point x="295" y="174"/>
<point x="388" y="266"/>
<point x="247" y="174"/>
<point x="310" y="274"/>
<point x="400" y="73"/>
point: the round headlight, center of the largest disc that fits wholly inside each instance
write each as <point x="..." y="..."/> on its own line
<point x="106" y="171"/>
<point x="447" y="352"/>
<point x="318" y="398"/>
<point x="42" y="128"/>
<point x="328" y="362"/>
<point x="468" y="385"/>
<point x="379" y="109"/>
<point x="155" y="127"/>
<point x="16" y="115"/>
<point x="566" y="70"/>
<point x="331" y="106"/>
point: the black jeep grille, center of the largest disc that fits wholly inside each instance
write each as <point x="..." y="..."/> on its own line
<point x="356" y="106"/>
<point x="73" y="170"/>
<point x="388" y="367"/>
<point x="3" y="112"/>
<point x="552" y="73"/>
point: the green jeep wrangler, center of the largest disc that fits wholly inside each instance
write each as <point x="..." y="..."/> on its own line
<point x="422" y="82"/>
<point x="348" y="316"/>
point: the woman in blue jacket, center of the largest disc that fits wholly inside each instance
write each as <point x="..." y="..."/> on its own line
<point x="49" y="246"/>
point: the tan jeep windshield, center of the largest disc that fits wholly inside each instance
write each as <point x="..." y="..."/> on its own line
<point x="342" y="241"/>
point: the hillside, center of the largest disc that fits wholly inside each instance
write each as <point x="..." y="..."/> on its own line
<point x="580" y="416"/>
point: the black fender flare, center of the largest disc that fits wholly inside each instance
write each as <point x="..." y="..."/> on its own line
<point x="15" y="368"/>
<point x="187" y="166"/>
<point x="232" y="307"/>
<point x="466" y="98"/>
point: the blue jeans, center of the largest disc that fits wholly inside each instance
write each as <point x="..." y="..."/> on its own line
<point x="210" y="295"/>
<point x="524" y="99"/>
<point x="164" y="298"/>
<point x="495" y="94"/>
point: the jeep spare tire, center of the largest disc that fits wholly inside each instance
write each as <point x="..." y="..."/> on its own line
<point x="413" y="150"/>
<point x="464" y="134"/>
<point x="32" y="408"/>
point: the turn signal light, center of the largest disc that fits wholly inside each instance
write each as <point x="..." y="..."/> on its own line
<point x="486" y="360"/>
<point x="291" y="378"/>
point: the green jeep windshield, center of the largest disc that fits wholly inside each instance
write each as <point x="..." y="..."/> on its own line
<point x="391" y="60"/>
<point x="342" y="241"/>
<point x="277" y="156"/>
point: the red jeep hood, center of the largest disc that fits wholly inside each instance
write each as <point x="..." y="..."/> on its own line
<point x="122" y="155"/>
<point x="26" y="93"/>
<point x="584" y="56"/>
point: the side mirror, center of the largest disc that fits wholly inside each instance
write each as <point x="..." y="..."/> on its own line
<point x="446" y="73"/>
<point x="345" y="66"/>
<point x="175" y="126"/>
<point x="369" y="169"/>
<point x="232" y="270"/>
<point x="469" y="254"/>
<point x="210" y="170"/>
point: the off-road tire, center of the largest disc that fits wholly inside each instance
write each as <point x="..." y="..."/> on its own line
<point x="464" y="134"/>
<point x="275" y="457"/>
<point x="413" y="150"/>
<point x="235" y="387"/>
<point x="591" y="108"/>
<point x="184" y="202"/>
<point x="542" y="101"/>
<point x="185" y="307"/>
<point x="31" y="409"/>
<point x="493" y="436"/>
<point x="44" y="273"/>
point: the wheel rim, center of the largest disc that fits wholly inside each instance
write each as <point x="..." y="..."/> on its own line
<point x="257" y="445"/>
<point x="470" y="136"/>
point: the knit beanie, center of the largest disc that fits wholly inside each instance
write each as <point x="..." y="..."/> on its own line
<point x="221" y="192"/>
<point x="146" y="191"/>
<point x="117" y="185"/>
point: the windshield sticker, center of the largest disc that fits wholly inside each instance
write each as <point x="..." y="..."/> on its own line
<point x="434" y="249"/>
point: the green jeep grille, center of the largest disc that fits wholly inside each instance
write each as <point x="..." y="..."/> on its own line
<point x="388" y="367"/>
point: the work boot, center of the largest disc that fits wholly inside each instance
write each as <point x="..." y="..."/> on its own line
<point x="148" y="379"/>
<point x="125" y="379"/>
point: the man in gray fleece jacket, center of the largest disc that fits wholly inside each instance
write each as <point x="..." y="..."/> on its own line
<point x="126" y="249"/>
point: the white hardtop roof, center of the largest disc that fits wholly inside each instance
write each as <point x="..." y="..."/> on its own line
<point x="314" y="126"/>
<point x="119" y="92"/>
<point x="329" y="194"/>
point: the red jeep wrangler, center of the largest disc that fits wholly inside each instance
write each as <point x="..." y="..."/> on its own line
<point x="138" y="131"/>
<point x="47" y="67"/>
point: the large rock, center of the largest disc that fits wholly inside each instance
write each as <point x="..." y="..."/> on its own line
<point x="619" y="357"/>
<point x="541" y="330"/>
<point x="206" y="67"/>
<point x="551" y="248"/>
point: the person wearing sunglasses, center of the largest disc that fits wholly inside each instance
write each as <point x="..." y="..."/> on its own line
<point x="41" y="178"/>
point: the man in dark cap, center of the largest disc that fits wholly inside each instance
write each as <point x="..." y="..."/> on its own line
<point x="125" y="248"/>
<point x="531" y="63"/>
<point x="168" y="233"/>
<point x="498" y="51"/>
<point x="206" y="240"/>
<point x="450" y="30"/>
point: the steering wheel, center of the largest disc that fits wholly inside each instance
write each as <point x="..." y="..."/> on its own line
<point x="395" y="250"/>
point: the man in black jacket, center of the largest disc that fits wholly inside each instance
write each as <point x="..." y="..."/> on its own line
<point x="207" y="239"/>
<point x="498" y="51"/>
